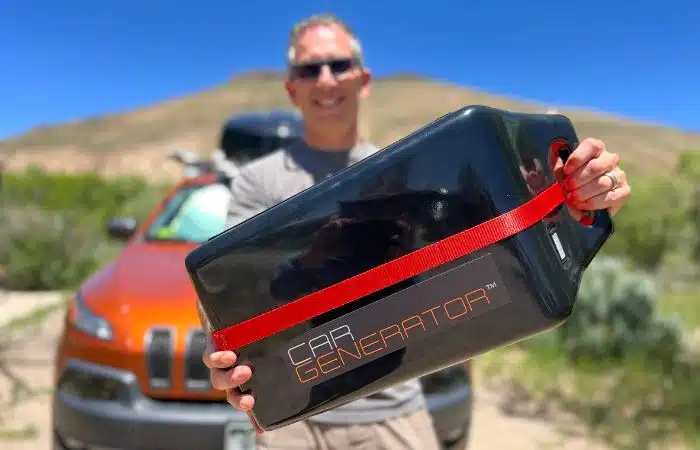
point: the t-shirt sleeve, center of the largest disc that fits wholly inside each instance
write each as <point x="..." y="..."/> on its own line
<point x="249" y="195"/>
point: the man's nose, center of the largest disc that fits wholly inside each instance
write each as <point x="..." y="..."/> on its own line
<point x="326" y="78"/>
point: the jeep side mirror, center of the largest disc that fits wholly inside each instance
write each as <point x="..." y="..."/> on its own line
<point x="122" y="228"/>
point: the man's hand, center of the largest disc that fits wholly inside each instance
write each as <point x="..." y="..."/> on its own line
<point x="592" y="178"/>
<point x="225" y="375"/>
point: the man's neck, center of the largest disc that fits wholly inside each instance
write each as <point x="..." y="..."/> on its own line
<point x="329" y="141"/>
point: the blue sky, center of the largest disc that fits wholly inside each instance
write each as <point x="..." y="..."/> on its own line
<point x="63" y="60"/>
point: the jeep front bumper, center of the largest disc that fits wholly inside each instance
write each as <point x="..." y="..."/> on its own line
<point x="101" y="408"/>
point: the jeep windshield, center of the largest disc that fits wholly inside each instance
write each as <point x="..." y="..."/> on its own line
<point x="194" y="214"/>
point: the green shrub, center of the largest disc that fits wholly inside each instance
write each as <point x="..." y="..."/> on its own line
<point x="616" y="316"/>
<point x="631" y="403"/>
<point x="651" y="223"/>
<point x="661" y="217"/>
<point x="87" y="193"/>
<point x="689" y="169"/>
<point x="618" y="364"/>
<point x="43" y="250"/>
<point x="53" y="225"/>
<point x="689" y="164"/>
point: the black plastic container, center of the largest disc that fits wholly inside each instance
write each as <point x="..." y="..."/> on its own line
<point x="459" y="171"/>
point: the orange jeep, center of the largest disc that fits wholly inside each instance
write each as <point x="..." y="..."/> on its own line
<point x="129" y="371"/>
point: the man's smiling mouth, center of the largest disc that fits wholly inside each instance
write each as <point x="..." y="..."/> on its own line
<point x="329" y="102"/>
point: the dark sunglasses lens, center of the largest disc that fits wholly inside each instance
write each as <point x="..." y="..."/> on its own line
<point x="340" y="65"/>
<point x="311" y="70"/>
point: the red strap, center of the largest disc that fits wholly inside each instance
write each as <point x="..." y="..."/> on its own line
<point x="390" y="273"/>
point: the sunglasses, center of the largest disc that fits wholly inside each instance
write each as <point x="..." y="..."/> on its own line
<point x="312" y="70"/>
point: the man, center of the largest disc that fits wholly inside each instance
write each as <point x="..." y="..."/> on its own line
<point x="327" y="81"/>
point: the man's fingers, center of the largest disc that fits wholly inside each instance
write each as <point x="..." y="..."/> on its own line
<point x="225" y="377"/>
<point x="587" y="150"/>
<point x="219" y="360"/>
<point x="599" y="185"/>
<point x="239" y="400"/>
<point x="611" y="200"/>
<point x="231" y="378"/>
<point x="244" y="402"/>
<point x="221" y="379"/>
<point x="591" y="170"/>
<point x="241" y="374"/>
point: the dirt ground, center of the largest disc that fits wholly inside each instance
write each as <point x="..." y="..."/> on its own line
<point x="31" y="359"/>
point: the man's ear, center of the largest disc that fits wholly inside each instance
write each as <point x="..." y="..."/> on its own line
<point x="291" y="91"/>
<point x="366" y="81"/>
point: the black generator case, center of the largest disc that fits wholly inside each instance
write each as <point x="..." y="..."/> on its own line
<point x="465" y="168"/>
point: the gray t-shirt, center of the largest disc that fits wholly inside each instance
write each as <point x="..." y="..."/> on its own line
<point x="273" y="178"/>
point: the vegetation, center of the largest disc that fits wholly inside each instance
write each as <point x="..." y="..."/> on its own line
<point x="662" y="217"/>
<point x="624" y="364"/>
<point x="54" y="224"/>
<point x="689" y="169"/>
<point x="619" y="365"/>
<point x="616" y="316"/>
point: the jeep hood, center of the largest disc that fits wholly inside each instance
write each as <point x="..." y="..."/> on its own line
<point x="147" y="284"/>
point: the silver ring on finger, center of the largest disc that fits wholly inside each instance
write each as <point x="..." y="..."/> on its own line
<point x="613" y="178"/>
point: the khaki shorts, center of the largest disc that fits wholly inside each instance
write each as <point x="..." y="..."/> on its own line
<point x="410" y="432"/>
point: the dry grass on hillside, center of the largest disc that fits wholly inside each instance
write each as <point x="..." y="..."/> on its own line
<point x="137" y="141"/>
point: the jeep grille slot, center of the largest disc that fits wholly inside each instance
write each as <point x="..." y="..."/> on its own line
<point x="196" y="373"/>
<point x="159" y="357"/>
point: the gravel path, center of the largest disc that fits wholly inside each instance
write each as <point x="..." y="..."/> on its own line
<point x="30" y="358"/>
<point x="492" y="429"/>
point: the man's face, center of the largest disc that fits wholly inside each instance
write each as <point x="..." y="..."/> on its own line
<point x="327" y="84"/>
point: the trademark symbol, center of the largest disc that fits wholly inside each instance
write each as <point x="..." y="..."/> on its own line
<point x="490" y="285"/>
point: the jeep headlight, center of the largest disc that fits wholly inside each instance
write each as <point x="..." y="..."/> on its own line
<point x="88" y="322"/>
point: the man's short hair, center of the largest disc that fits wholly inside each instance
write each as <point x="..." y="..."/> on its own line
<point x="321" y="19"/>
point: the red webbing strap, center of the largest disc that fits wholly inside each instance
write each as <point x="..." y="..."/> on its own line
<point x="392" y="272"/>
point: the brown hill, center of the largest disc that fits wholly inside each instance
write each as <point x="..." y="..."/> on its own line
<point x="137" y="141"/>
